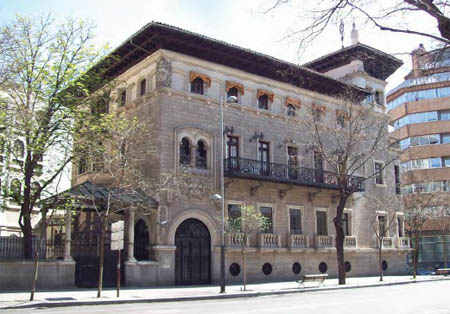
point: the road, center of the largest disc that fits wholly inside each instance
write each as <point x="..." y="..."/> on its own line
<point x="419" y="298"/>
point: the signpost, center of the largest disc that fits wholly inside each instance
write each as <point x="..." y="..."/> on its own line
<point x="117" y="244"/>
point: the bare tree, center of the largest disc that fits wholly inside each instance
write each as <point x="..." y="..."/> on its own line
<point x="240" y="225"/>
<point x="39" y="61"/>
<point x="345" y="140"/>
<point x="399" y="16"/>
<point x="382" y="222"/>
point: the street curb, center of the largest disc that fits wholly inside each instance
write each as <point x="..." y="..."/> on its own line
<point x="212" y="297"/>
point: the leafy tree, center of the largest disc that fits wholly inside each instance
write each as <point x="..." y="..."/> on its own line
<point x="40" y="62"/>
<point x="240" y="227"/>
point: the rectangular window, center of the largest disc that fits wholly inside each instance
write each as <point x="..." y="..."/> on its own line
<point x="446" y="139"/>
<point x="318" y="166"/>
<point x="292" y="162"/>
<point x="397" y="179"/>
<point x="232" y="147"/>
<point x="382" y="226"/>
<point x="379" y="173"/>
<point x="123" y="98"/>
<point x="446" y="161"/>
<point x="436" y="162"/>
<point x="295" y="219"/>
<point x="143" y="87"/>
<point x="321" y="217"/>
<point x="267" y="213"/>
<point x="263" y="102"/>
<point x="345" y="224"/>
<point x="264" y="157"/>
<point x="400" y="226"/>
<point x="234" y="213"/>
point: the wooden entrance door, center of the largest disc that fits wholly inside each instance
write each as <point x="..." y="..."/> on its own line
<point x="193" y="253"/>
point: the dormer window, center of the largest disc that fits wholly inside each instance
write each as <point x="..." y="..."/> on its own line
<point x="197" y="86"/>
<point x="265" y="98"/>
<point x="263" y="102"/>
<point x="291" y="110"/>
<point x="234" y="90"/>
<point x="199" y="82"/>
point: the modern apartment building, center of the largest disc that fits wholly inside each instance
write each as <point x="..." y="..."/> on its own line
<point x="175" y="80"/>
<point x="420" y="110"/>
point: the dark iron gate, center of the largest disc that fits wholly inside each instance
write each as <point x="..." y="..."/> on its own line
<point x="193" y="253"/>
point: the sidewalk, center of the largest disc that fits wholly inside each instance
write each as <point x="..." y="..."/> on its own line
<point x="166" y="294"/>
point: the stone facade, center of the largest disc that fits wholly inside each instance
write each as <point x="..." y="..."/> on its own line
<point x="177" y="114"/>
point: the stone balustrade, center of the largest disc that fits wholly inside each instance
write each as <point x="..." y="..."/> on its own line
<point x="387" y="243"/>
<point x="269" y="240"/>
<point x="298" y="241"/>
<point x="235" y="239"/>
<point x="403" y="243"/>
<point x="324" y="241"/>
<point x="350" y="242"/>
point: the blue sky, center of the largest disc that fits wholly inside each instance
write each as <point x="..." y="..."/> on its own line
<point x="240" y="22"/>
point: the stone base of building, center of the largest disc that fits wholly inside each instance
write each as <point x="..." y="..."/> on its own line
<point x="18" y="275"/>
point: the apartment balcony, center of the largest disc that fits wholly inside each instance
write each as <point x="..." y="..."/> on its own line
<point x="386" y="243"/>
<point x="403" y="243"/>
<point x="267" y="171"/>
<point x="350" y="242"/>
<point x="298" y="241"/>
<point x="235" y="239"/>
<point x="270" y="240"/>
<point x="324" y="241"/>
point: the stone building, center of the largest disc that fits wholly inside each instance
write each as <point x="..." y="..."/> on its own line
<point x="420" y="110"/>
<point x="177" y="80"/>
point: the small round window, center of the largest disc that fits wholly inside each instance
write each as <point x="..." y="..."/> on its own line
<point x="323" y="267"/>
<point x="384" y="265"/>
<point x="296" y="268"/>
<point x="347" y="266"/>
<point x="267" y="269"/>
<point x="235" y="269"/>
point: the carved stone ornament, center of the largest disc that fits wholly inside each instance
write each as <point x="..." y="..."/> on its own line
<point x="196" y="187"/>
<point x="164" y="73"/>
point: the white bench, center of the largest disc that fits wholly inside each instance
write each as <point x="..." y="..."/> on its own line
<point x="320" y="278"/>
<point x="443" y="271"/>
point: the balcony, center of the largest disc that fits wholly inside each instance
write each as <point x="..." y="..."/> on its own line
<point x="267" y="171"/>
<point x="235" y="239"/>
<point x="269" y="240"/>
<point x="324" y="241"/>
<point x="403" y="243"/>
<point x="350" y="242"/>
<point x="298" y="241"/>
<point x="387" y="243"/>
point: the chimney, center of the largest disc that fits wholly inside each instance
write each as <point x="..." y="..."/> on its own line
<point x="354" y="35"/>
<point x="418" y="57"/>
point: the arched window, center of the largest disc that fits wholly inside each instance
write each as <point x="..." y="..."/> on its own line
<point x="291" y="110"/>
<point x="143" y="87"/>
<point x="141" y="241"/>
<point x="197" y="86"/>
<point x="185" y="152"/>
<point x="19" y="149"/>
<point x="233" y="91"/>
<point x="263" y="102"/>
<point x="16" y="190"/>
<point x="200" y="157"/>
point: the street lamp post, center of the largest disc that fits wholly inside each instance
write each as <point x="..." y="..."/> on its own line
<point x="222" y="196"/>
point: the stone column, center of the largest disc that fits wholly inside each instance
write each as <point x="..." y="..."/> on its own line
<point x="68" y="237"/>
<point x="130" y="231"/>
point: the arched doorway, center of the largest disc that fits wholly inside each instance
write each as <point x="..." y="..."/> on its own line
<point x="141" y="241"/>
<point x="193" y="253"/>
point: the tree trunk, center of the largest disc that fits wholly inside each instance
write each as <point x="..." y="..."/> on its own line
<point x="380" y="257"/>
<point x="415" y="253"/>
<point x="27" y="231"/>
<point x="340" y="236"/>
<point x="43" y="236"/>
<point x="244" y="262"/>
<point x="101" y="262"/>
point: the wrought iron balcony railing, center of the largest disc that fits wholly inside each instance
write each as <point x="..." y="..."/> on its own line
<point x="261" y="170"/>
